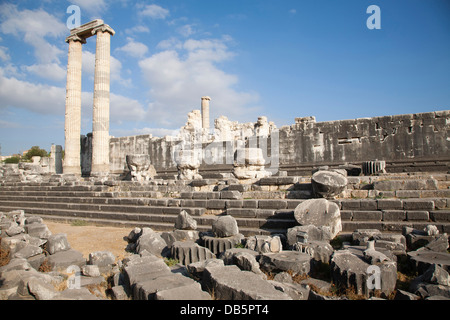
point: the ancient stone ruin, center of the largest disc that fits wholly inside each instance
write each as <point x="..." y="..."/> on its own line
<point x="348" y="209"/>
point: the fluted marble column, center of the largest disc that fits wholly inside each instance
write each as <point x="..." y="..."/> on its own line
<point x="100" y="117"/>
<point x="205" y="112"/>
<point x="72" y="124"/>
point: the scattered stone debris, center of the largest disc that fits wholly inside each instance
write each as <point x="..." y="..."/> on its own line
<point x="179" y="265"/>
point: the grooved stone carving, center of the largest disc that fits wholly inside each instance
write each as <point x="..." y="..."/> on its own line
<point x="188" y="252"/>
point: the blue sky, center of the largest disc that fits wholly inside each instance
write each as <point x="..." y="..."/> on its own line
<point x="282" y="59"/>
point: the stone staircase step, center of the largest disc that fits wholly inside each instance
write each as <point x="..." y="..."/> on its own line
<point x="392" y="226"/>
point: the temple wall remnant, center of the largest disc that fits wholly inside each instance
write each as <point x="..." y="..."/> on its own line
<point x="422" y="136"/>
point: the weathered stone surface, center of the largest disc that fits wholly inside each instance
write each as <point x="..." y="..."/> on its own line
<point x="38" y="230"/>
<point x="185" y="222"/>
<point x="394" y="185"/>
<point x="231" y="283"/>
<point x="439" y="243"/>
<point x="37" y="260"/>
<point x="57" y="242"/>
<point x="76" y="294"/>
<point x="90" y="270"/>
<point x="140" y="167"/>
<point x="188" y="164"/>
<point x="249" y="164"/>
<point x="247" y="262"/>
<point x="294" y="261"/>
<point x="138" y="269"/>
<point x="180" y="235"/>
<point x="152" y="242"/>
<point x="191" y="292"/>
<point x="349" y="270"/>
<point x="219" y="245"/>
<point x="134" y="235"/>
<point x="318" y="250"/>
<point x="101" y="258"/>
<point x="27" y="252"/>
<point x="34" y="219"/>
<point x="231" y="195"/>
<point x="294" y="290"/>
<point x="148" y="290"/>
<point x="16" y="264"/>
<point x="319" y="212"/>
<point x="196" y="269"/>
<point x="264" y="244"/>
<point x="14" y="229"/>
<point x="434" y="281"/>
<point x="119" y="293"/>
<point x="40" y="289"/>
<point x="60" y="260"/>
<point x="228" y="255"/>
<point x="362" y="236"/>
<point x="188" y="252"/>
<point x="435" y="274"/>
<point x="312" y="232"/>
<point x="427" y="290"/>
<point x="225" y="226"/>
<point x="417" y="239"/>
<point x="328" y="184"/>
<point x="372" y="167"/>
<point x="423" y="259"/>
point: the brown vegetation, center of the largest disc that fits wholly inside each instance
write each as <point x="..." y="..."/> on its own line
<point x="4" y="255"/>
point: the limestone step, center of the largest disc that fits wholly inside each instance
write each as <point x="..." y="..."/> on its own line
<point x="156" y="199"/>
<point x="393" y="226"/>
<point x="253" y="226"/>
<point x="142" y="209"/>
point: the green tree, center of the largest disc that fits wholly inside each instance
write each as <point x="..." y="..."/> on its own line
<point x="14" y="159"/>
<point x="35" y="151"/>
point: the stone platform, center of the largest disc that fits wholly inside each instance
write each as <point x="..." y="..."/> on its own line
<point x="386" y="202"/>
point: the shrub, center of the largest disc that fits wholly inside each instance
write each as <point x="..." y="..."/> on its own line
<point x="14" y="159"/>
<point x="35" y="151"/>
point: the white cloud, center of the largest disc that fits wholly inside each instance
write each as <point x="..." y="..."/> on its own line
<point x="171" y="43"/>
<point x="91" y="6"/>
<point x="186" y="30"/>
<point x="133" y="48"/>
<point x="34" y="26"/>
<point x="137" y="29"/>
<point x="293" y="11"/>
<point x="208" y="49"/>
<point x="37" y="23"/>
<point x="177" y="82"/>
<point x="125" y="109"/>
<point x="4" y="55"/>
<point x="46" y="99"/>
<point x="38" y="98"/>
<point x="154" y="11"/>
<point x="51" y="71"/>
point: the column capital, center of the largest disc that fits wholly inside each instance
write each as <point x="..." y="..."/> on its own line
<point x="103" y="28"/>
<point x="75" y="37"/>
<point x="206" y="98"/>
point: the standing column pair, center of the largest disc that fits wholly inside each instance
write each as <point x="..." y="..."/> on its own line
<point x="100" y="118"/>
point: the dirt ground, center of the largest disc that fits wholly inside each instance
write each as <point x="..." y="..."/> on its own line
<point x="87" y="238"/>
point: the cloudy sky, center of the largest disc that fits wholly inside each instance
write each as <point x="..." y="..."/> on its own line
<point x="282" y="59"/>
